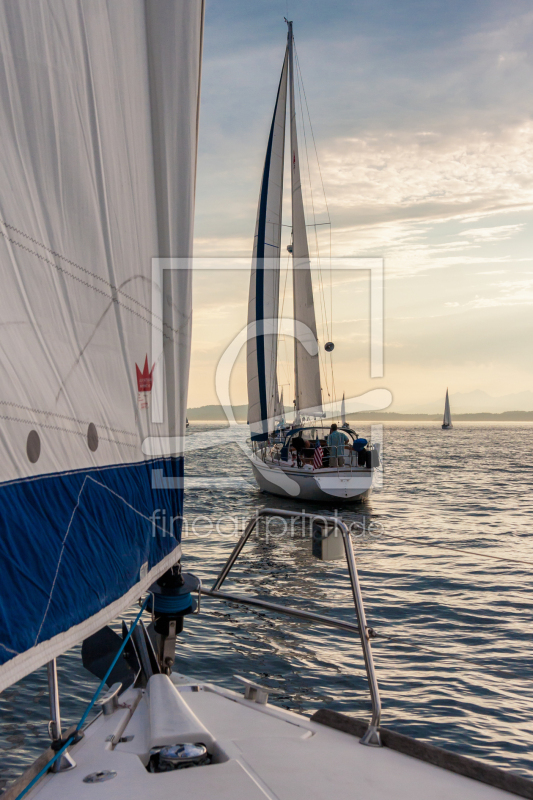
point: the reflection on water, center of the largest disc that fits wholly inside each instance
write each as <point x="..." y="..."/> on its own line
<point x="456" y="668"/>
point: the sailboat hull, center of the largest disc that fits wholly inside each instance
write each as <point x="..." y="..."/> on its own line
<point x="447" y="427"/>
<point x="319" y="486"/>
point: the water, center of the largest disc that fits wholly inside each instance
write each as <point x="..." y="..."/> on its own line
<point x="458" y="672"/>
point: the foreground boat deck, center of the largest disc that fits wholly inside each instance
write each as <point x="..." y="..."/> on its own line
<point x="259" y="751"/>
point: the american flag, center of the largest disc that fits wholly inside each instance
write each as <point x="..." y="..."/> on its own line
<point x="317" y="459"/>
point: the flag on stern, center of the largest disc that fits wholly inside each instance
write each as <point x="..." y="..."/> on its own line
<point x="317" y="459"/>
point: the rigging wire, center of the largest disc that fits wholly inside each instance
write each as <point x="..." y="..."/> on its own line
<point x="455" y="549"/>
<point x="70" y="739"/>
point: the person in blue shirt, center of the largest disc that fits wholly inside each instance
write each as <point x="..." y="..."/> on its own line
<point x="336" y="441"/>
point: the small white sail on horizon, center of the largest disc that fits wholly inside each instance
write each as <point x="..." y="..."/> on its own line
<point x="447" y="419"/>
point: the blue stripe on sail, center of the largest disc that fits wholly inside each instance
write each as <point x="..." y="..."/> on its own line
<point x="260" y="278"/>
<point x="73" y="543"/>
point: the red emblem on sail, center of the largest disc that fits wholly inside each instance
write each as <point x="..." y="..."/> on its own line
<point x="145" y="378"/>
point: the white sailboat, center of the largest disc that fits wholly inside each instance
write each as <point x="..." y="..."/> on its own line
<point x="344" y="470"/>
<point x="447" y="419"/>
<point x="343" y="413"/>
<point x="103" y="178"/>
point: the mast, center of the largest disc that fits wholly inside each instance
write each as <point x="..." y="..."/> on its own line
<point x="308" y="395"/>
<point x="294" y="146"/>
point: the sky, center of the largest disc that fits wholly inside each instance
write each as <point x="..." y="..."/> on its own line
<point x="422" y="118"/>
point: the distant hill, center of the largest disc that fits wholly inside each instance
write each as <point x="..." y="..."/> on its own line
<point x="216" y="414"/>
<point x="391" y="416"/>
<point x="476" y="402"/>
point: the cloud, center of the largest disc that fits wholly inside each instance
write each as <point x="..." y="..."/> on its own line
<point x="408" y="178"/>
<point x="509" y="293"/>
<point x="422" y="118"/>
<point x="493" y="234"/>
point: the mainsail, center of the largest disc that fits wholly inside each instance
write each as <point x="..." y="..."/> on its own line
<point x="447" y="419"/>
<point x="308" y="393"/>
<point x="262" y="345"/>
<point x="99" y="114"/>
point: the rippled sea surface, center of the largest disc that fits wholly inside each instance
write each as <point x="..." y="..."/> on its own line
<point x="446" y="571"/>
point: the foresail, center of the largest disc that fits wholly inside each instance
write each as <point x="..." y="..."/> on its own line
<point x="263" y="302"/>
<point x="99" y="113"/>
<point x="308" y="393"/>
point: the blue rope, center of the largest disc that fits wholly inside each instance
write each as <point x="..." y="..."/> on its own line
<point x="80" y="724"/>
<point x="172" y="604"/>
<point x="110" y="670"/>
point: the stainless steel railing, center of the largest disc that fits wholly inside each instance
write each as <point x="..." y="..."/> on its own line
<point x="372" y="736"/>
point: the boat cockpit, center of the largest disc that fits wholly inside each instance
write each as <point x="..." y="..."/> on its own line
<point x="313" y="447"/>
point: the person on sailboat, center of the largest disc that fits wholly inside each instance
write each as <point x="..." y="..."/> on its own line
<point x="336" y="441"/>
<point x="299" y="443"/>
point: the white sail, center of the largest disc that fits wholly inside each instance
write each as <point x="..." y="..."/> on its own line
<point x="308" y="393"/>
<point x="263" y="302"/>
<point x="447" y="419"/>
<point x="99" y="113"/>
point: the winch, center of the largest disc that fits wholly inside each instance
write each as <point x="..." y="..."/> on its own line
<point x="170" y="600"/>
<point x="178" y="756"/>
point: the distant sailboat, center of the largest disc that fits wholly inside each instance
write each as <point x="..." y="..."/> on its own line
<point x="447" y="419"/>
<point x="343" y="413"/>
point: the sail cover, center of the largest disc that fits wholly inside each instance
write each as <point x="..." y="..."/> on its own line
<point x="263" y="301"/>
<point x="99" y="114"/>
<point x="308" y="393"/>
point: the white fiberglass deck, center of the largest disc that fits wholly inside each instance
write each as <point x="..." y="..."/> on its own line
<point x="258" y="752"/>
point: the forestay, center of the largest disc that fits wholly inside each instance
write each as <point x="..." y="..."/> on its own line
<point x="99" y="114"/>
